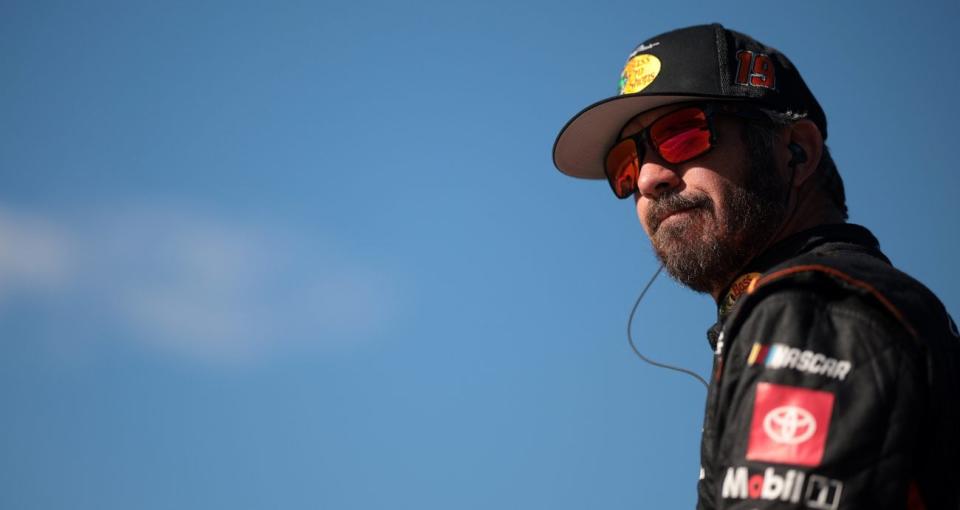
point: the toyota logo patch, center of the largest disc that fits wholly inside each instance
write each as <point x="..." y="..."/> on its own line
<point x="789" y="425"/>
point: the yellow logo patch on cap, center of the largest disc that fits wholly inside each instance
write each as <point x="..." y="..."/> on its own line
<point x="639" y="72"/>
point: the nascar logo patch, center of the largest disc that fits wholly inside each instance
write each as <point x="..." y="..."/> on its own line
<point x="777" y="356"/>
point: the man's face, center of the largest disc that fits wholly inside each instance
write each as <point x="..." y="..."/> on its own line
<point x="707" y="217"/>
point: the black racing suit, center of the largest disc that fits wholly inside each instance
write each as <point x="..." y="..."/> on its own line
<point x="836" y="384"/>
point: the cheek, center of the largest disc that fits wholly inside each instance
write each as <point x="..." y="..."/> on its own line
<point x="721" y="191"/>
<point x="715" y="186"/>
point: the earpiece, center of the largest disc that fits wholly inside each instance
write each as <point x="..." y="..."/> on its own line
<point x="798" y="155"/>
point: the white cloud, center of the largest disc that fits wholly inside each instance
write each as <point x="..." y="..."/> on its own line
<point x="194" y="285"/>
<point x="34" y="254"/>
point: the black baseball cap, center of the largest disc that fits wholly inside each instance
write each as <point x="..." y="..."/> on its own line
<point x="704" y="62"/>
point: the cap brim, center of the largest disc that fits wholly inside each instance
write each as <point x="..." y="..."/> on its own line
<point x="583" y="143"/>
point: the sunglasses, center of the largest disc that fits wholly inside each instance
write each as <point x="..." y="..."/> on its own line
<point x="677" y="137"/>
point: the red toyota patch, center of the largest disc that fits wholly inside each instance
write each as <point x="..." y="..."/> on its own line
<point x="789" y="425"/>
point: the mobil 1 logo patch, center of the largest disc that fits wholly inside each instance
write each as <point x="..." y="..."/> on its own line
<point x="788" y="486"/>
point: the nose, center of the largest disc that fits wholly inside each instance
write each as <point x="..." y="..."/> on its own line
<point x="655" y="179"/>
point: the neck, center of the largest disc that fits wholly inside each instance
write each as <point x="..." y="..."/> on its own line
<point x="807" y="208"/>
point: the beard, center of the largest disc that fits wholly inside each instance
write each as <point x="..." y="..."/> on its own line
<point x="704" y="250"/>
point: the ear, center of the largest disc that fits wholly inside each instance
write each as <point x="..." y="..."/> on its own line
<point x="805" y="135"/>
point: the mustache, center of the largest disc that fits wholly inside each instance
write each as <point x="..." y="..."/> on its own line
<point x="672" y="203"/>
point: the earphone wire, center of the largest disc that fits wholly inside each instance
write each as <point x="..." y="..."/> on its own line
<point x="633" y="345"/>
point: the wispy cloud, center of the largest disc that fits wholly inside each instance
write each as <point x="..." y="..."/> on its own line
<point x="34" y="254"/>
<point x="193" y="284"/>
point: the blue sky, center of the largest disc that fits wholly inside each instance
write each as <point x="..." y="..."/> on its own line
<point x="315" y="254"/>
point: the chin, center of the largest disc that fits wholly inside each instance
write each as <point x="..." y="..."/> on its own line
<point x="695" y="255"/>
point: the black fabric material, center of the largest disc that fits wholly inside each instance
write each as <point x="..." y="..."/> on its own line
<point x="895" y="419"/>
<point x="697" y="63"/>
<point x="703" y="61"/>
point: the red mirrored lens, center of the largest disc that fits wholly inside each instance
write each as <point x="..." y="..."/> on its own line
<point x="681" y="135"/>
<point x="623" y="169"/>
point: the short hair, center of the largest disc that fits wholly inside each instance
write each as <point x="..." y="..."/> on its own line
<point x="760" y="137"/>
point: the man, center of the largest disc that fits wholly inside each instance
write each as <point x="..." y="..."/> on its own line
<point x="836" y="379"/>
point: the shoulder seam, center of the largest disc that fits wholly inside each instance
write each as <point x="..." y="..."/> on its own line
<point x="840" y="275"/>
